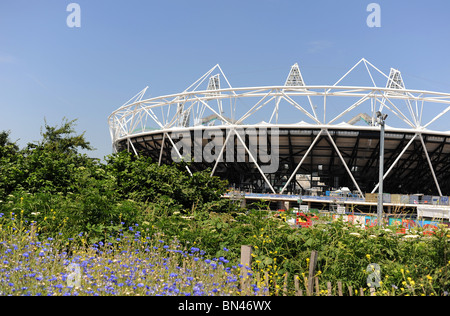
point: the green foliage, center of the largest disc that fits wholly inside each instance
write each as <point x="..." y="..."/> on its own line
<point x="67" y="195"/>
<point x="141" y="180"/>
<point x="70" y="193"/>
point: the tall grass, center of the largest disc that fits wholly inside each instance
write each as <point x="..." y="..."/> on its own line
<point x="130" y="265"/>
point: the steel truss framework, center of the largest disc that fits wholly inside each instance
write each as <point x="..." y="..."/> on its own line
<point x="315" y="129"/>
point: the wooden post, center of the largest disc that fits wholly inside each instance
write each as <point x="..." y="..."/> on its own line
<point x="266" y="279"/>
<point x="258" y="283"/>
<point x="296" y="284"/>
<point x="329" y="289"/>
<point x="246" y="261"/>
<point x="361" y="291"/>
<point x="285" y="284"/>
<point x="340" y="288"/>
<point x="350" y="290"/>
<point x="312" y="270"/>
<point x="275" y="286"/>
<point x="246" y="256"/>
<point x="317" y="286"/>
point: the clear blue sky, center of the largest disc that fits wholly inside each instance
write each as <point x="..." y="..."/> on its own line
<point x="50" y="70"/>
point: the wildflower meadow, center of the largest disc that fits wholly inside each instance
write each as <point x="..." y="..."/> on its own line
<point x="72" y="225"/>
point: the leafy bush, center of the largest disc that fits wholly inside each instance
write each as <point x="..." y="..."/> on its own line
<point x="68" y="193"/>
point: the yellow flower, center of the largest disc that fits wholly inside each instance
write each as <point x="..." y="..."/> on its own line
<point x="429" y="277"/>
<point x="368" y="257"/>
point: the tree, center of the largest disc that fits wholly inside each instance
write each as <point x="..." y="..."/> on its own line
<point x="62" y="138"/>
<point x="7" y="148"/>
<point x="9" y="157"/>
<point x="49" y="165"/>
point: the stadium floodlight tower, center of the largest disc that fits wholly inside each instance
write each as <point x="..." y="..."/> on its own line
<point x="297" y="137"/>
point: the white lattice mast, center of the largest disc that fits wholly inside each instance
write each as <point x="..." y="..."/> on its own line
<point x="396" y="83"/>
<point x="295" y="78"/>
<point x="395" y="80"/>
<point x="214" y="84"/>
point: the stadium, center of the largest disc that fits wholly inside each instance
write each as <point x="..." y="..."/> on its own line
<point x="297" y="138"/>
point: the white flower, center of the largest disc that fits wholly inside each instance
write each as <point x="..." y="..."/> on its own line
<point x="411" y="236"/>
<point x="355" y="234"/>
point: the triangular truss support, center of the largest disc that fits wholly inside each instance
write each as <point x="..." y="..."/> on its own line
<point x="295" y="78"/>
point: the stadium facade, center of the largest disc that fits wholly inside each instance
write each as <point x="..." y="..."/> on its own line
<point x="297" y="138"/>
